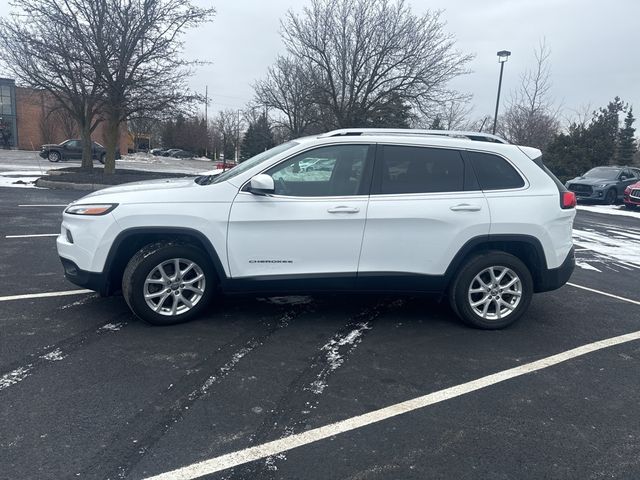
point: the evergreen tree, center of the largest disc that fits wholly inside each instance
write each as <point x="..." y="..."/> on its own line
<point x="603" y="130"/>
<point x="627" y="145"/>
<point x="257" y="138"/>
<point x="436" y="124"/>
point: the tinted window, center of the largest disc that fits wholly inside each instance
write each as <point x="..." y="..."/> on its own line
<point x="420" y="170"/>
<point x="327" y="171"/>
<point x="493" y="172"/>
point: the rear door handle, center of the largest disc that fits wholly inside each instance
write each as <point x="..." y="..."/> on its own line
<point x="343" y="209"/>
<point x="465" y="207"/>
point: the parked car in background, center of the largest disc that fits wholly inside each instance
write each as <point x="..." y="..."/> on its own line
<point x="72" y="150"/>
<point x="631" y="197"/>
<point x="156" y="151"/>
<point x="604" y="184"/>
<point x="168" y="153"/>
<point x="182" y="154"/>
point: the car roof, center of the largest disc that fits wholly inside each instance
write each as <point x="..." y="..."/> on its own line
<point x="442" y="138"/>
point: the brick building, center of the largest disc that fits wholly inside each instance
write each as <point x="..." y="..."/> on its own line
<point x="29" y="118"/>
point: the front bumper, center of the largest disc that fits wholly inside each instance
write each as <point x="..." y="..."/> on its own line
<point x="91" y="280"/>
<point x="631" y="200"/>
<point x="43" y="153"/>
<point x="554" y="278"/>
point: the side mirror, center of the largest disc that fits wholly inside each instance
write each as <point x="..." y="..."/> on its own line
<point x="262" y="184"/>
<point x="624" y="177"/>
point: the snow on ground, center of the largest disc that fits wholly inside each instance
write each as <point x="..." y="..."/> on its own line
<point x="610" y="210"/>
<point x="19" y="179"/>
<point x="614" y="251"/>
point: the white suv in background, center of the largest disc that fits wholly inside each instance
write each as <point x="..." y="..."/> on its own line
<point x="408" y="211"/>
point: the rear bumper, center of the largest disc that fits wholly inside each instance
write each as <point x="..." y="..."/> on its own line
<point x="554" y="278"/>
<point x="90" y="280"/>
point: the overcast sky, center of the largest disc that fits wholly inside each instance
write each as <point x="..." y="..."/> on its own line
<point x="595" y="47"/>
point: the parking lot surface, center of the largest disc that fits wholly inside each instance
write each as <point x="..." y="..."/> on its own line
<point x="89" y="391"/>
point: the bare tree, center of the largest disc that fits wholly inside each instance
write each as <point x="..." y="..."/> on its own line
<point x="228" y="126"/>
<point x="531" y="118"/>
<point x="289" y="89"/>
<point x="46" y="45"/>
<point x="357" y="58"/>
<point x="139" y="59"/>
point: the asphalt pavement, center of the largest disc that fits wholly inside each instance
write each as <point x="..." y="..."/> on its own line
<point x="88" y="391"/>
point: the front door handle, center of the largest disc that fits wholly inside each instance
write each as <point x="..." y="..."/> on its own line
<point x="465" y="207"/>
<point x="343" y="209"/>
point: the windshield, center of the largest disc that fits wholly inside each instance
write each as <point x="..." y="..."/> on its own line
<point x="247" y="164"/>
<point x="604" y="173"/>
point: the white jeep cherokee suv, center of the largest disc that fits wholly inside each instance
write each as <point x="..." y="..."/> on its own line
<point x="455" y="213"/>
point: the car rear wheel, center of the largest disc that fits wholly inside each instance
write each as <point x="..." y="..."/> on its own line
<point x="491" y="291"/>
<point x="54" y="156"/>
<point x="611" y="196"/>
<point x="167" y="283"/>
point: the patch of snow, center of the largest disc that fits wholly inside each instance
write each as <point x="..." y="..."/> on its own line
<point x="53" y="356"/>
<point x="14" y="376"/>
<point x="24" y="179"/>
<point x="78" y="302"/>
<point x="112" y="327"/>
<point x="335" y="349"/>
<point x="586" y="266"/>
<point x="223" y="372"/>
<point x="624" y="253"/>
<point x="610" y="210"/>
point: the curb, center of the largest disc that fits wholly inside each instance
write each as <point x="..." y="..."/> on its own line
<point x="70" y="186"/>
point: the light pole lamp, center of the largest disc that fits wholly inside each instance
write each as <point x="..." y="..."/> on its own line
<point x="503" y="56"/>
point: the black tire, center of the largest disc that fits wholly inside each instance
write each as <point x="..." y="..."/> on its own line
<point x="143" y="263"/>
<point x="460" y="297"/>
<point x="54" y="156"/>
<point x="630" y="206"/>
<point x="611" y="196"/>
<point x="102" y="158"/>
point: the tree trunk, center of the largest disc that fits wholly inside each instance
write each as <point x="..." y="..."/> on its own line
<point x="112" y="137"/>
<point x="87" y="147"/>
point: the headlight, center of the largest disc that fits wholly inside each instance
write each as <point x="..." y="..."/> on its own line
<point x="91" y="209"/>
<point x="602" y="185"/>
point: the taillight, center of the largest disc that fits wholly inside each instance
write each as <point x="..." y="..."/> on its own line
<point x="568" y="200"/>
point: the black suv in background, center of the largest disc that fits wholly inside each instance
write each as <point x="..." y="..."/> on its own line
<point x="72" y="150"/>
<point x="604" y="184"/>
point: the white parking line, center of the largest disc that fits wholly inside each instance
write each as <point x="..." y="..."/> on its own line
<point x="34" y="235"/>
<point x="275" y="447"/>
<point x="635" y="302"/>
<point x="44" y="205"/>
<point x="44" y="295"/>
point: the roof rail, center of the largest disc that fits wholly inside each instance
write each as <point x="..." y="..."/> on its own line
<point x="477" y="136"/>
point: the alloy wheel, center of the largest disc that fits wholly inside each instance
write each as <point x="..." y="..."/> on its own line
<point x="495" y="292"/>
<point x="174" y="286"/>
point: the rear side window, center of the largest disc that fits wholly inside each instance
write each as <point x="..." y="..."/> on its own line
<point x="493" y="172"/>
<point x="419" y="170"/>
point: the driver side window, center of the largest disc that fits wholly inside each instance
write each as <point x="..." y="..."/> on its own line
<point x="336" y="170"/>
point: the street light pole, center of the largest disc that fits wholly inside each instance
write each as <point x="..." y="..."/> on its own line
<point x="503" y="56"/>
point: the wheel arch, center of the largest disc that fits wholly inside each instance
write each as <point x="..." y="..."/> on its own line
<point x="130" y="241"/>
<point x="525" y="247"/>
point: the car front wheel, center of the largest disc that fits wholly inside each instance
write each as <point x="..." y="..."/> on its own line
<point x="611" y="196"/>
<point x="102" y="158"/>
<point x="167" y="283"/>
<point x="492" y="291"/>
<point x="54" y="156"/>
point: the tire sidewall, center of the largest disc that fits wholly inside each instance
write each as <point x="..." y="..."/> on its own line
<point x="468" y="273"/>
<point x="134" y="293"/>
<point x="609" y="201"/>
